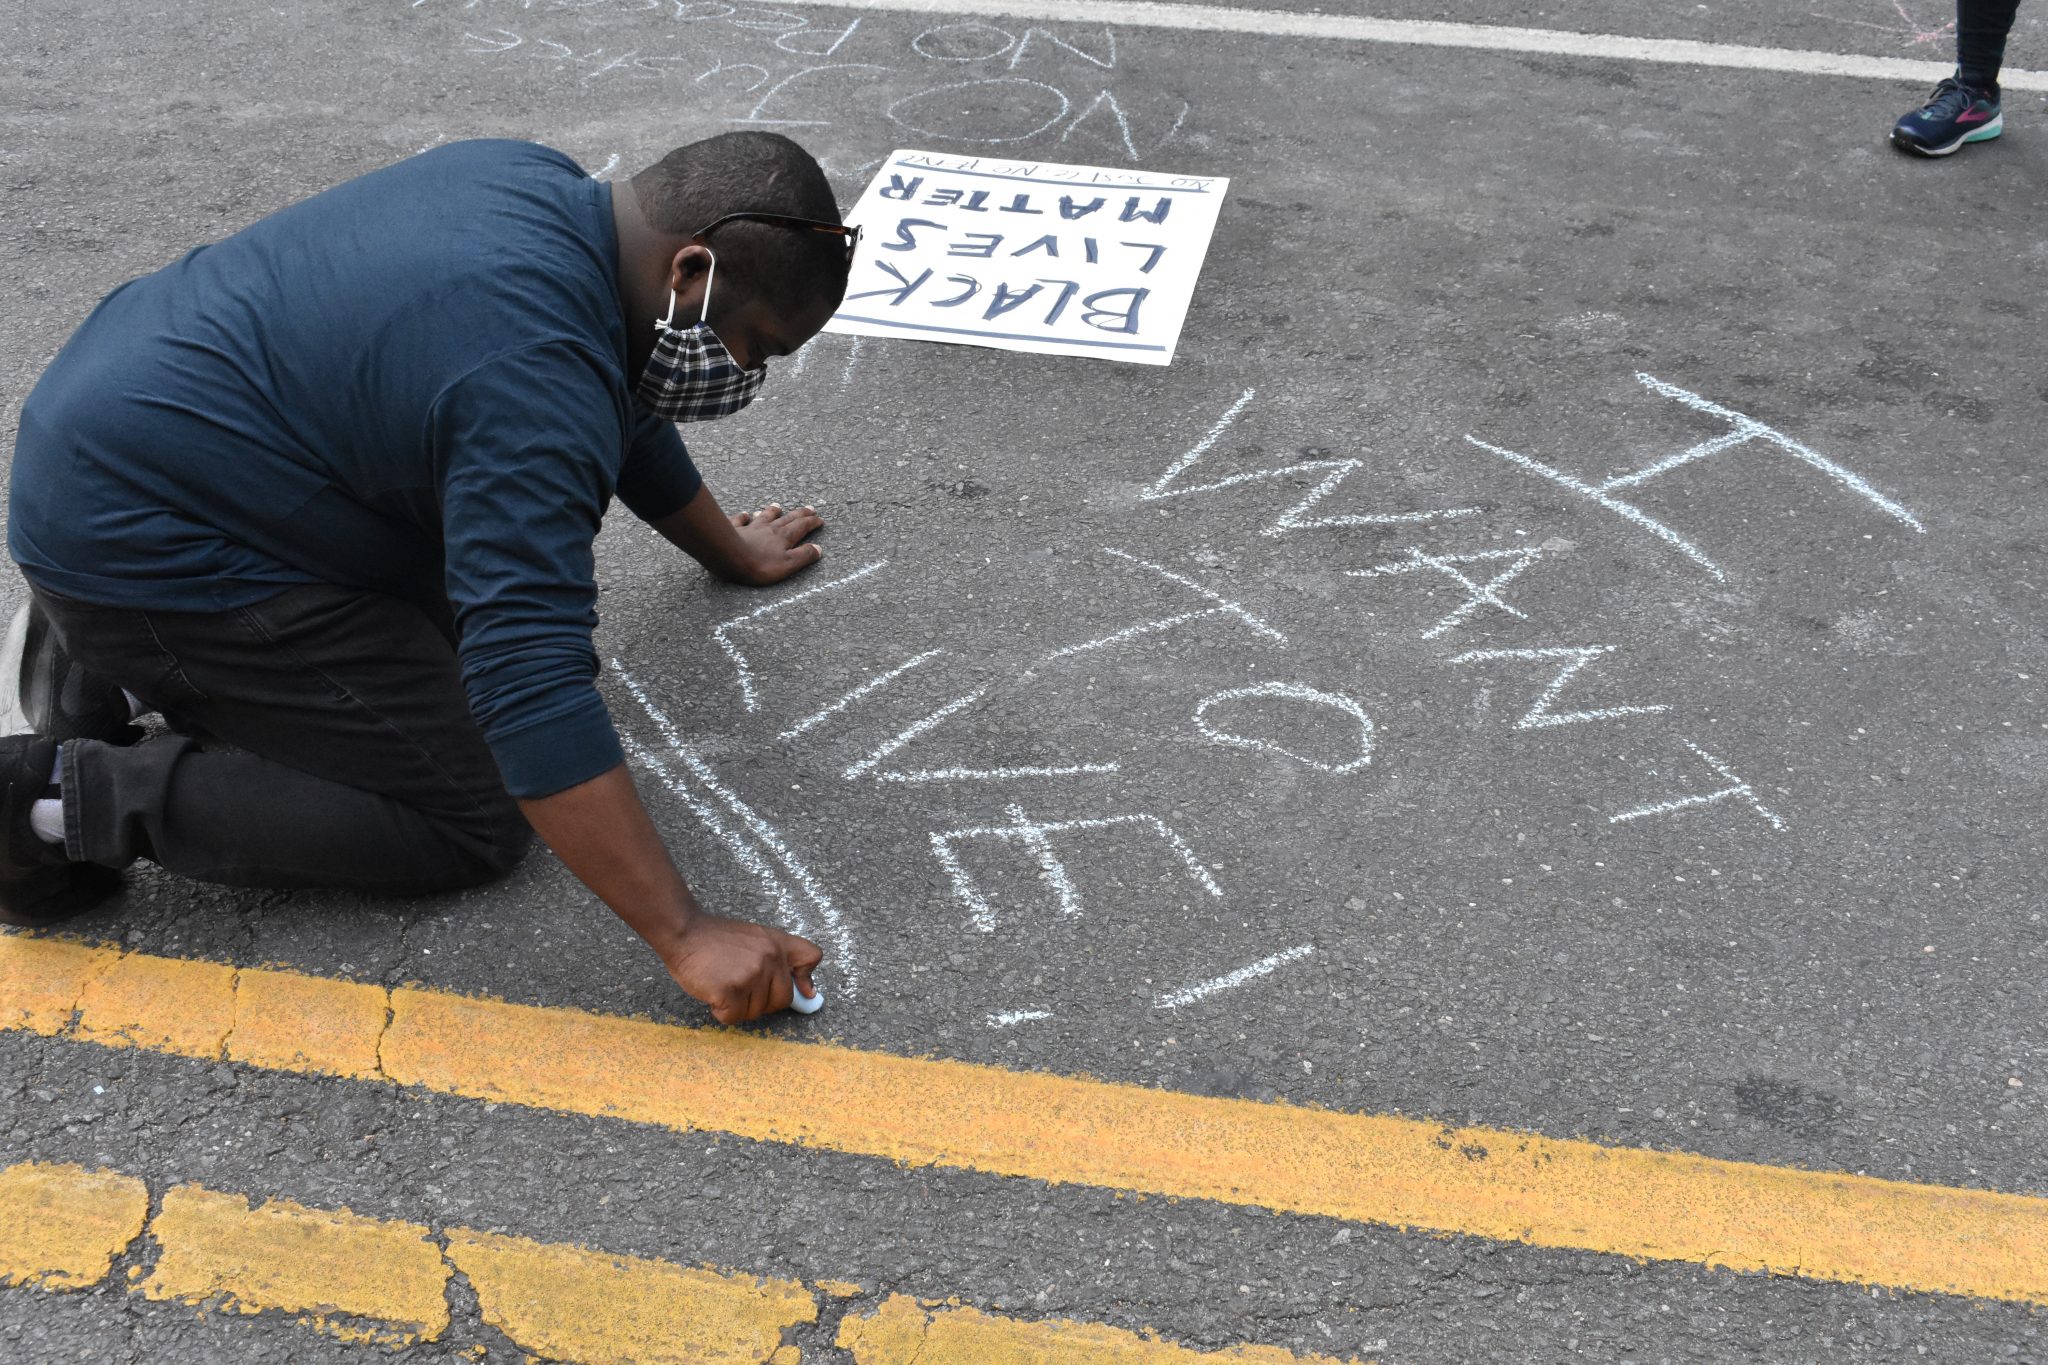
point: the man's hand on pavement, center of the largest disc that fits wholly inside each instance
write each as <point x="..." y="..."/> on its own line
<point x="756" y="548"/>
<point x="741" y="970"/>
<point x="773" y="545"/>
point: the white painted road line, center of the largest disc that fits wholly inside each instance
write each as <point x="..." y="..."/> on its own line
<point x="1434" y="33"/>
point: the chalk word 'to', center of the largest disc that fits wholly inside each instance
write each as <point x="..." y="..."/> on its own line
<point x="1293" y="692"/>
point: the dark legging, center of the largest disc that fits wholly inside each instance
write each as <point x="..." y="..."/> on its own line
<point x="1981" y="26"/>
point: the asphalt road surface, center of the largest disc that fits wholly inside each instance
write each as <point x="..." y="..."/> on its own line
<point x="1607" y="707"/>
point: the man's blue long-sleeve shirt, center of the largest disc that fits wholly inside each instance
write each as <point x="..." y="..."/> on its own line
<point x="414" y="383"/>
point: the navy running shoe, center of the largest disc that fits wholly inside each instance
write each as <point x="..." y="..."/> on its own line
<point x="1954" y="114"/>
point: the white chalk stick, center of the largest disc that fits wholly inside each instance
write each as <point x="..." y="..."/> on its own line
<point x="806" y="1004"/>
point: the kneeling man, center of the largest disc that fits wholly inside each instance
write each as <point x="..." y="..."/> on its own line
<point x="323" y="495"/>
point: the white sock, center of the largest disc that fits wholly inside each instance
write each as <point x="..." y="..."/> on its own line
<point x="46" y="817"/>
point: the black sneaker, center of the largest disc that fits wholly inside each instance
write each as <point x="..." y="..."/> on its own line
<point x="44" y="691"/>
<point x="38" y="884"/>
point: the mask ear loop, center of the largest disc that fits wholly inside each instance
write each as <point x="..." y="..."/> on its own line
<point x="668" y="320"/>
<point x="710" y="274"/>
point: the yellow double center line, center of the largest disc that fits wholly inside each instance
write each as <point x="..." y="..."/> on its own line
<point x="1403" y="1173"/>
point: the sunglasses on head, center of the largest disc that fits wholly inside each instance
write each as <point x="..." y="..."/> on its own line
<point x="850" y="232"/>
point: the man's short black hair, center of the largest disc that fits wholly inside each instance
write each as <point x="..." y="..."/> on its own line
<point x="699" y="183"/>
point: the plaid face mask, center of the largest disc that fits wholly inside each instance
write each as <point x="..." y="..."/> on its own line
<point x="691" y="377"/>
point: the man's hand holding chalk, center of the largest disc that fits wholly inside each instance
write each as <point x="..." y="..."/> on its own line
<point x="744" y="971"/>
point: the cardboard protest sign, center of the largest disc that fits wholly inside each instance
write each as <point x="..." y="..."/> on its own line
<point x="1029" y="255"/>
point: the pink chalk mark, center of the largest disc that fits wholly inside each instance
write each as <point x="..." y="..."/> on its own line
<point x="1920" y="34"/>
<point x="1914" y="33"/>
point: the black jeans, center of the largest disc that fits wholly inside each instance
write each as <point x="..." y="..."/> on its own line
<point x="320" y="738"/>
